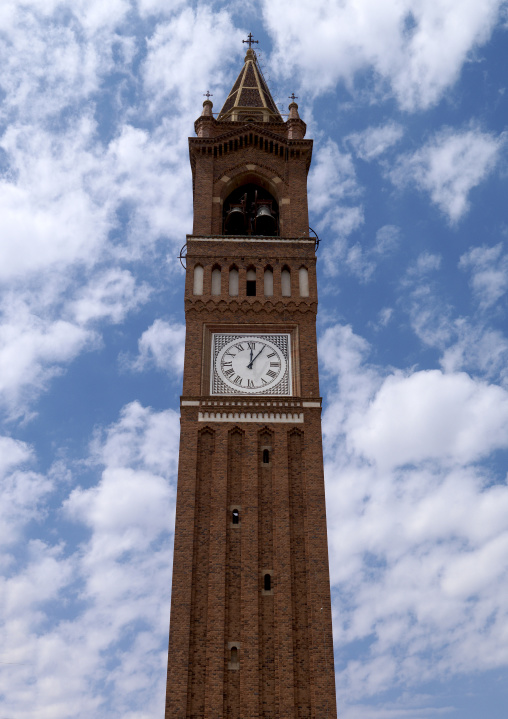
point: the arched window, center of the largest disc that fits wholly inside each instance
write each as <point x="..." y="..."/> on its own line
<point x="251" y="210"/>
<point x="198" y="280"/>
<point x="266" y="456"/>
<point x="233" y="281"/>
<point x="303" y="277"/>
<point x="251" y="282"/>
<point x="267" y="582"/>
<point x="234" y="655"/>
<point x="236" y="516"/>
<point x="268" y="278"/>
<point x="216" y="281"/>
<point x="285" y="281"/>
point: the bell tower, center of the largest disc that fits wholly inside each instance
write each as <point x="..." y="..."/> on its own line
<point x="250" y="633"/>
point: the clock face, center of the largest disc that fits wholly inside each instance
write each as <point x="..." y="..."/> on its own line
<point x="250" y="364"/>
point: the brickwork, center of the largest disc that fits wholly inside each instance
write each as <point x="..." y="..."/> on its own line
<point x="251" y="634"/>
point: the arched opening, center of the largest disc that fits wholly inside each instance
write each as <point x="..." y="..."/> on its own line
<point x="197" y="288"/>
<point x="251" y="282"/>
<point x="267" y="582"/>
<point x="216" y="280"/>
<point x="234" y="655"/>
<point x="266" y="456"/>
<point x="233" y="281"/>
<point x="236" y="516"/>
<point x="251" y="210"/>
<point x="268" y="281"/>
<point x="303" y="279"/>
<point x="285" y="281"/>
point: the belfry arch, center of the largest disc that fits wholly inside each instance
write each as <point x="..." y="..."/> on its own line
<point x="250" y="209"/>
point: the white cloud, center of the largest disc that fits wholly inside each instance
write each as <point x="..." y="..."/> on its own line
<point x="489" y="273"/>
<point x="387" y="239"/>
<point x="110" y="295"/>
<point x="362" y="260"/>
<point x="333" y="193"/>
<point x="478" y="349"/>
<point x="416" y="552"/>
<point x="161" y="345"/>
<point x="448" y="167"/>
<point x="23" y="491"/>
<point x="186" y="54"/>
<point x="417" y="48"/>
<point x="374" y="141"/>
<point x="33" y="350"/>
<point x="429" y="415"/>
<point x="71" y="613"/>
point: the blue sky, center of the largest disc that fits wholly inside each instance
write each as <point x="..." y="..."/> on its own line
<point x="406" y="101"/>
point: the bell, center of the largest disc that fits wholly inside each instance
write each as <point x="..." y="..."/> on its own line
<point x="266" y="223"/>
<point x="236" y="222"/>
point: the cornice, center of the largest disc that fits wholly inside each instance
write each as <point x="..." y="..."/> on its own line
<point x="246" y="307"/>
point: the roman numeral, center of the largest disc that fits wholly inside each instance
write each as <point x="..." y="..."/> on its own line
<point x="264" y="381"/>
<point x="272" y="354"/>
<point x="251" y="345"/>
<point x="239" y="347"/>
<point x="229" y="372"/>
<point x="237" y="380"/>
<point x="274" y="364"/>
<point x="271" y="373"/>
<point x="250" y="384"/>
<point x="230" y="354"/>
<point x="227" y="364"/>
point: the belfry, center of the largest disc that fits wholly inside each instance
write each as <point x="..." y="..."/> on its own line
<point x="251" y="633"/>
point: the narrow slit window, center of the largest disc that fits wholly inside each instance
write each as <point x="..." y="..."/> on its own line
<point x="198" y="280"/>
<point x="234" y="655"/>
<point x="303" y="276"/>
<point x="267" y="582"/>
<point x="233" y="282"/>
<point x="251" y="283"/>
<point x="236" y="516"/>
<point x="216" y="281"/>
<point x="266" y="456"/>
<point x="285" y="281"/>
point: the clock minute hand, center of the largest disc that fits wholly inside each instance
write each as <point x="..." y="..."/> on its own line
<point x="249" y="366"/>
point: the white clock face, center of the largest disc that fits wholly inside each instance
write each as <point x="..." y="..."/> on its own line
<point x="250" y="364"/>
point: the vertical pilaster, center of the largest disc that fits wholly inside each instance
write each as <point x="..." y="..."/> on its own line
<point x="250" y="594"/>
<point x="199" y="614"/>
<point x="282" y="567"/>
<point x="214" y="639"/>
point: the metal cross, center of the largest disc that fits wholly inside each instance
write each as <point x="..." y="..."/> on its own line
<point x="293" y="97"/>
<point x="207" y="94"/>
<point x="250" y="40"/>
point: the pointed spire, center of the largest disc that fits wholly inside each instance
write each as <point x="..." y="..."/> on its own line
<point x="250" y="98"/>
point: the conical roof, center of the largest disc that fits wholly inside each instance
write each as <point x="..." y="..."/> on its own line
<point x="250" y="98"/>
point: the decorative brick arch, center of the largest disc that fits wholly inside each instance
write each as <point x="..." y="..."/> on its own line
<point x="262" y="176"/>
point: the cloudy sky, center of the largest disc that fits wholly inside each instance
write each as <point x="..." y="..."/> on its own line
<point x="406" y="101"/>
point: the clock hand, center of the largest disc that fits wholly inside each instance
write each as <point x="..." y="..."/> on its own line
<point x="249" y="366"/>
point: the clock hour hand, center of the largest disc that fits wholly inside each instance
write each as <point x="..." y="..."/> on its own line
<point x="249" y="366"/>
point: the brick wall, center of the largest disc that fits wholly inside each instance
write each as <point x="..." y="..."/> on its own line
<point x="237" y="650"/>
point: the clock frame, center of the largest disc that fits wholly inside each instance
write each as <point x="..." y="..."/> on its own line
<point x="286" y="340"/>
<point x="251" y="363"/>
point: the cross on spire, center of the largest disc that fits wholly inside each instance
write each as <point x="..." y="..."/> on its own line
<point x="207" y="94"/>
<point x="293" y="97"/>
<point x="250" y="40"/>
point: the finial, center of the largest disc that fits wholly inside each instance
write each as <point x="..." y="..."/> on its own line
<point x="207" y="105"/>
<point x="293" y="97"/>
<point x="250" y="40"/>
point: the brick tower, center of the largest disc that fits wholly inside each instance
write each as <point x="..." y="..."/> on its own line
<point x="251" y="633"/>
